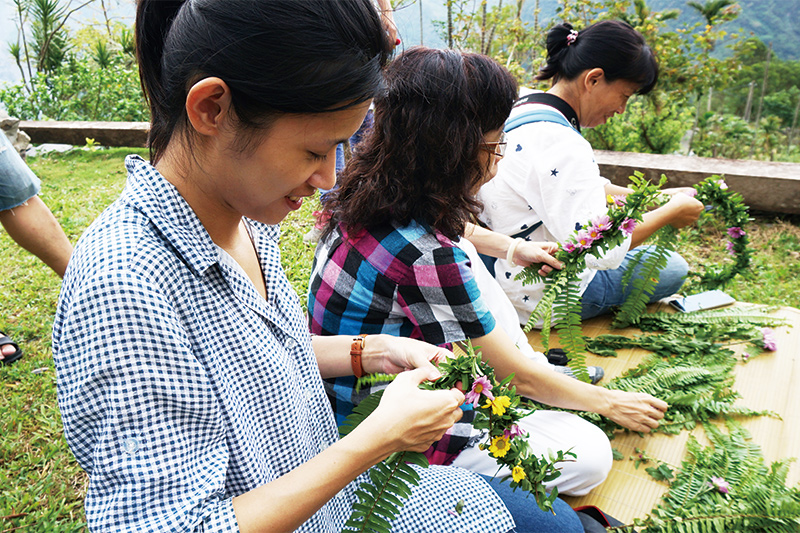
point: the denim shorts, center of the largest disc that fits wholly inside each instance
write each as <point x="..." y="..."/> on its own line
<point x="18" y="183"/>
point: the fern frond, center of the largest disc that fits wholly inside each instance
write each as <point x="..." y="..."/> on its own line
<point x="568" y="325"/>
<point x="647" y="267"/>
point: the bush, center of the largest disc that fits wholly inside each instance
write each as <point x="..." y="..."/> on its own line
<point x="80" y="90"/>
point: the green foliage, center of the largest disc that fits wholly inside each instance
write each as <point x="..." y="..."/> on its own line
<point x="88" y="75"/>
<point x="561" y="302"/>
<point x="648" y="125"/>
<point x="723" y="487"/>
<point x="380" y="501"/>
<point x="80" y="90"/>
<point x="645" y="285"/>
<point x="688" y="367"/>
<point x="496" y="30"/>
<point x="728" y="206"/>
<point x="50" y="41"/>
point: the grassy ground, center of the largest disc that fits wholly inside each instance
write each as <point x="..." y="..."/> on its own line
<point x="41" y="485"/>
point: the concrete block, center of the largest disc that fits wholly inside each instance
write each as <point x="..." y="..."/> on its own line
<point x="765" y="185"/>
<point x="76" y="133"/>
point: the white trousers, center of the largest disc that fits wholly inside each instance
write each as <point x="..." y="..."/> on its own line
<point x="557" y="431"/>
<point x="546" y="429"/>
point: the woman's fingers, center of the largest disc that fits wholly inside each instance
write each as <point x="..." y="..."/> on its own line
<point x="415" y="418"/>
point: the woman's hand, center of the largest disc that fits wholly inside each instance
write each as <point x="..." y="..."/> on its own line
<point x="683" y="210"/>
<point x="387" y="18"/>
<point x="389" y="354"/>
<point x="529" y="253"/>
<point x="411" y="418"/>
<point x="688" y="191"/>
<point x="636" y="411"/>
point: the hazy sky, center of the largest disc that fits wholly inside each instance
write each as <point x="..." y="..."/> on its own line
<point x="120" y="9"/>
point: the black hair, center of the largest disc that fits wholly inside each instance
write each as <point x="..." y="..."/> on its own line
<point x="424" y="157"/>
<point x="276" y="56"/>
<point x="611" y="45"/>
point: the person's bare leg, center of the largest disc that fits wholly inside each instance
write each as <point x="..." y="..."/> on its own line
<point x="34" y="227"/>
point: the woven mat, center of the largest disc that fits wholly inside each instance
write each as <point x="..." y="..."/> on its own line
<point x="765" y="382"/>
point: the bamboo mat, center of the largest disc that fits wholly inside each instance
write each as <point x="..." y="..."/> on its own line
<point x="765" y="382"/>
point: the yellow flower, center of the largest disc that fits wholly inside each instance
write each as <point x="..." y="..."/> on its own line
<point x="499" y="447"/>
<point x="498" y="405"/>
<point x="518" y="474"/>
<point x="609" y="199"/>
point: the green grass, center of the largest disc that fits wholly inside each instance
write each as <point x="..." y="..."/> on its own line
<point x="39" y="478"/>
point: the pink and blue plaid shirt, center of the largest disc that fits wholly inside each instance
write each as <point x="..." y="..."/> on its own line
<point x="407" y="281"/>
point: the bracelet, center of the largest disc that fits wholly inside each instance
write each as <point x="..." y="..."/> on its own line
<point x="511" y="249"/>
<point x="355" y="354"/>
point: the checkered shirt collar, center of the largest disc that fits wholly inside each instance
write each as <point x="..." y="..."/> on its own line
<point x="149" y="192"/>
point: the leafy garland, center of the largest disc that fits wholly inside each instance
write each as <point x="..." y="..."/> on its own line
<point x="723" y="487"/>
<point x="730" y="207"/>
<point x="561" y="301"/>
<point x="498" y="411"/>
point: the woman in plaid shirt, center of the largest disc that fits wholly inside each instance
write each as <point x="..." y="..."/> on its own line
<point x="392" y="260"/>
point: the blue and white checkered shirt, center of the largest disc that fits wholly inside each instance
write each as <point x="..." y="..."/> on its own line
<point x="180" y="387"/>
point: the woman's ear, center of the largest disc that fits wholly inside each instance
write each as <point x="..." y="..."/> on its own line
<point x="592" y="78"/>
<point x="207" y="105"/>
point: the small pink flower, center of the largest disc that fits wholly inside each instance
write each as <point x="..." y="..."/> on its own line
<point x="729" y="247"/>
<point x="619" y="199"/>
<point x="735" y="232"/>
<point x="602" y="223"/>
<point x="718" y="483"/>
<point x="722" y="184"/>
<point x="479" y="386"/>
<point x="569" y="247"/>
<point x="746" y="356"/>
<point x="513" y="431"/>
<point x="594" y="233"/>
<point x="770" y="343"/>
<point x="584" y="239"/>
<point x="627" y="226"/>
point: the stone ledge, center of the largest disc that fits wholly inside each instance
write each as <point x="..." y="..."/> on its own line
<point x="765" y="186"/>
<point x="76" y="133"/>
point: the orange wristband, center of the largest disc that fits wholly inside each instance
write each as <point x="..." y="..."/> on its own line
<point x="355" y="354"/>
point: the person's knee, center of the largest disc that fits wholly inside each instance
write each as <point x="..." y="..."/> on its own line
<point x="672" y="276"/>
<point x="591" y="467"/>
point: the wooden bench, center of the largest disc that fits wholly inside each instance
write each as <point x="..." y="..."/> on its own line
<point x="768" y="382"/>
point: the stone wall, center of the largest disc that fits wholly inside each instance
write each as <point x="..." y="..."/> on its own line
<point x="10" y="127"/>
<point x="766" y="186"/>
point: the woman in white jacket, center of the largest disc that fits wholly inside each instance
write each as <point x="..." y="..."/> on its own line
<point x="549" y="184"/>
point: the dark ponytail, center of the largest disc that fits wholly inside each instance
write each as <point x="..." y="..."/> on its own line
<point x="611" y="45"/>
<point x="277" y="56"/>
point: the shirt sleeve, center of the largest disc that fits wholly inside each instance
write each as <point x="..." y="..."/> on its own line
<point x="564" y="186"/>
<point x="442" y="299"/>
<point x="139" y="411"/>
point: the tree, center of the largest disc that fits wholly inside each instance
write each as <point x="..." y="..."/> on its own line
<point x="712" y="9"/>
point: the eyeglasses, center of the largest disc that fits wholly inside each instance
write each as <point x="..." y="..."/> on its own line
<point x="498" y="148"/>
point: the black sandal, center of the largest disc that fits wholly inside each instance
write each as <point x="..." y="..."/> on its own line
<point x="6" y="340"/>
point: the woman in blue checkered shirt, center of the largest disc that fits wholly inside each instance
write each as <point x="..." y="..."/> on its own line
<point x="189" y="386"/>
